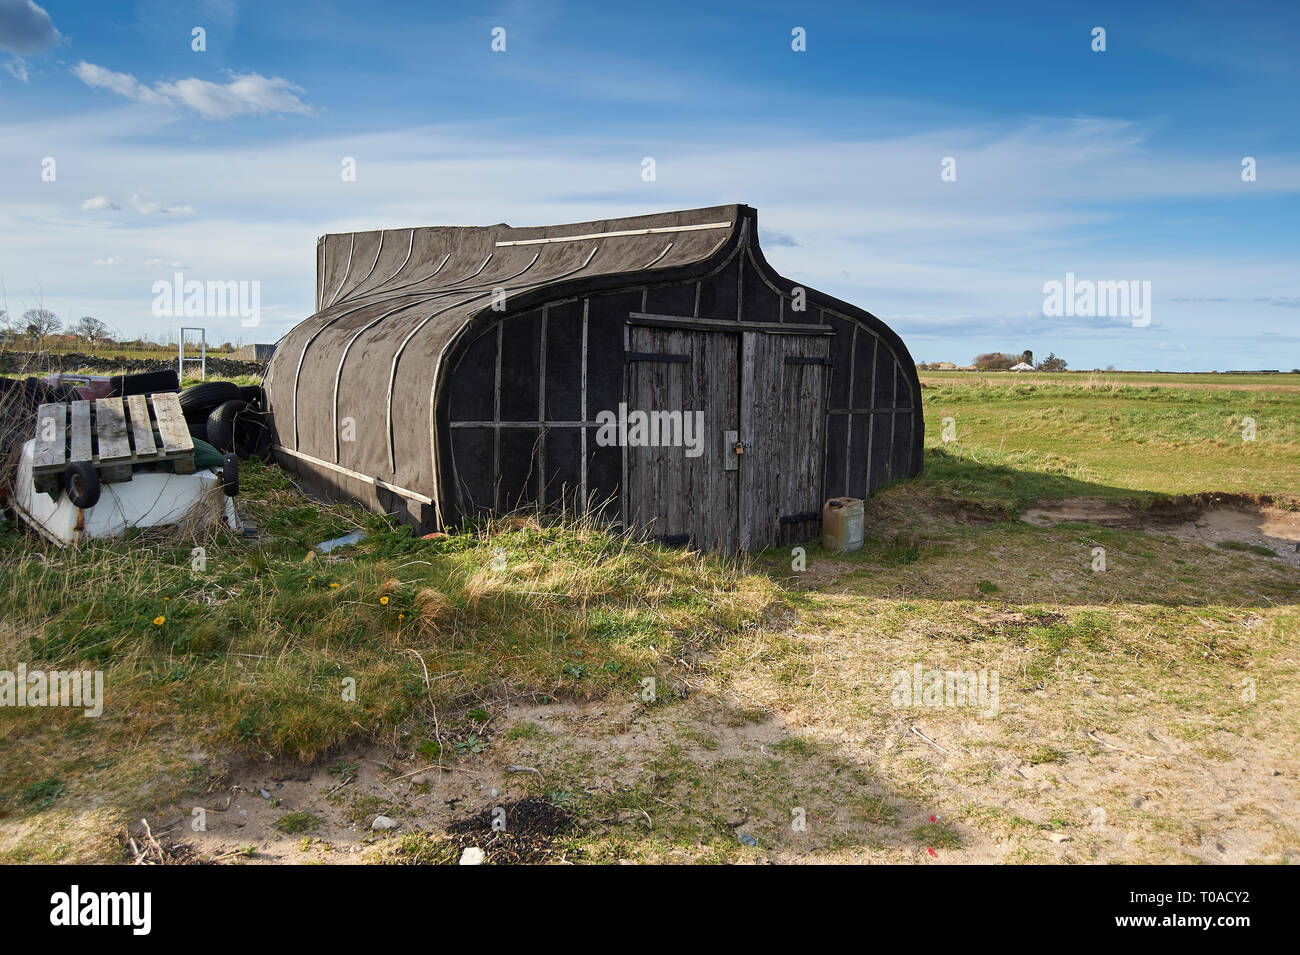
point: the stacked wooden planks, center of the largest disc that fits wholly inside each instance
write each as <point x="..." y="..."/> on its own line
<point x="114" y="434"/>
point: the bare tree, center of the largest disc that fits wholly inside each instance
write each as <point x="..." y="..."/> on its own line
<point x="89" y="329"/>
<point x="41" y="323"/>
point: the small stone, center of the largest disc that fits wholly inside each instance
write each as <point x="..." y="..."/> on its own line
<point x="473" y="856"/>
<point x="1058" y="837"/>
<point x="419" y="780"/>
<point x="383" y="822"/>
<point x="264" y="794"/>
<point x="747" y="840"/>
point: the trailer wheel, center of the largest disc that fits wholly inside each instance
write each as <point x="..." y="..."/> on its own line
<point x="81" y="481"/>
<point x="230" y="474"/>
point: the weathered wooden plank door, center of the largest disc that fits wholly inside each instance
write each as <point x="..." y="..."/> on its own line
<point x="782" y="425"/>
<point x="673" y="494"/>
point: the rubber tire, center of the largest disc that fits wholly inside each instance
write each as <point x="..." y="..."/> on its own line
<point x="199" y="432"/>
<point x="254" y="436"/>
<point x="254" y="395"/>
<point x="81" y="482"/>
<point x="199" y="401"/>
<point x="221" y="424"/>
<point x="230" y="474"/>
<point x="144" y="383"/>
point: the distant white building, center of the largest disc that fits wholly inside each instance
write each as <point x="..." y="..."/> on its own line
<point x="1021" y="366"/>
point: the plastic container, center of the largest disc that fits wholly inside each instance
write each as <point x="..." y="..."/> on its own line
<point x="842" y="525"/>
<point x="347" y="540"/>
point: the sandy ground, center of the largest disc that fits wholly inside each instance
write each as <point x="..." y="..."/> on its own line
<point x="1130" y="775"/>
<point x="1228" y="808"/>
<point x="243" y="813"/>
<point x="1270" y="527"/>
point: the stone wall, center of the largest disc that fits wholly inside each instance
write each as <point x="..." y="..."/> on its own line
<point x="43" y="363"/>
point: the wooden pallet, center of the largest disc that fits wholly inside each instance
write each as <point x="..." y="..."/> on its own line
<point x="114" y="434"/>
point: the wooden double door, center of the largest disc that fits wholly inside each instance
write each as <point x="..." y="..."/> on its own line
<point x="752" y="409"/>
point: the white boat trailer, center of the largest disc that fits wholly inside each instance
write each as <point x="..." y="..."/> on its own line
<point x="97" y="468"/>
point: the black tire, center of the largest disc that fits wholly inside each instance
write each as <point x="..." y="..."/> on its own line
<point x="221" y="424"/>
<point x="253" y="435"/>
<point x="199" y="432"/>
<point x="81" y="481"/>
<point x="230" y="474"/>
<point x="199" y="401"/>
<point x="144" y="383"/>
<point x="254" y="395"/>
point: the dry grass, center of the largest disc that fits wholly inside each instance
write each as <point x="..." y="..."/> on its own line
<point x="254" y="653"/>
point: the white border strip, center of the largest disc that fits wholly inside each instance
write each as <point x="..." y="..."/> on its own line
<point x="356" y="475"/>
<point x="606" y="235"/>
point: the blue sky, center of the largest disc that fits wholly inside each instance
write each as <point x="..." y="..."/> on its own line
<point x="1115" y="165"/>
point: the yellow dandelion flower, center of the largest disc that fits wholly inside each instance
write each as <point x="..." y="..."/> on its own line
<point x="332" y="586"/>
<point x="159" y="621"/>
<point x="383" y="600"/>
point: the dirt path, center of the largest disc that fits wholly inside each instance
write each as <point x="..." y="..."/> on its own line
<point x="1272" y="529"/>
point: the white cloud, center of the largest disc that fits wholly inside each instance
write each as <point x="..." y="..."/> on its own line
<point x="25" y="27"/>
<point x="123" y="84"/>
<point x="244" y="94"/>
<point x="17" y="69"/>
<point x="160" y="263"/>
<point x="110" y="261"/>
<point x="142" y="204"/>
<point x="152" y="207"/>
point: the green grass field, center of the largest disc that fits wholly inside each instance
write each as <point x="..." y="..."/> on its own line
<point x="1284" y="381"/>
<point x="635" y="702"/>
<point x="1023" y="439"/>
